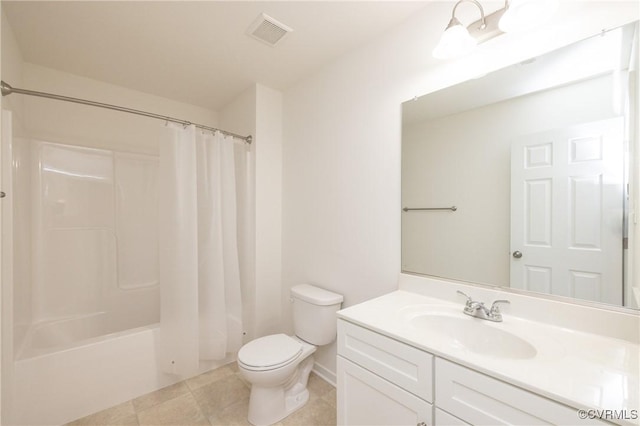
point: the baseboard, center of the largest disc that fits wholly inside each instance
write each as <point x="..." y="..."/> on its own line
<point x="328" y="375"/>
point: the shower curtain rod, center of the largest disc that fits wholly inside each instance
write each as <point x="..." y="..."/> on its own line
<point x="7" y="90"/>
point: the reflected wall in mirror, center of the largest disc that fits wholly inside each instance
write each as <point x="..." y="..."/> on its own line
<point x="535" y="157"/>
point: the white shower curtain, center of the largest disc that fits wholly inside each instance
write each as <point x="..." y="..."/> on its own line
<point x="201" y="309"/>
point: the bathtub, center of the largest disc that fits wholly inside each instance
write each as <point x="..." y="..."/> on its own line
<point x="62" y="385"/>
<point x="66" y="368"/>
<point x="71" y="382"/>
<point x="141" y="308"/>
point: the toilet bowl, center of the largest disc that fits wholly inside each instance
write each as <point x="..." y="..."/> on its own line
<point x="278" y="366"/>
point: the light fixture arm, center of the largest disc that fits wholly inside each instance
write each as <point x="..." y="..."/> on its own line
<point x="483" y="24"/>
<point x="515" y="15"/>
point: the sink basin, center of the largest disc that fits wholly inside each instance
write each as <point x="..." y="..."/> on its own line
<point x="476" y="335"/>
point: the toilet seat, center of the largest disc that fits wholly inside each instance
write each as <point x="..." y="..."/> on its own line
<point x="269" y="352"/>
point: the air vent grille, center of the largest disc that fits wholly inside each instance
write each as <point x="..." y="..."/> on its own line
<point x="268" y="30"/>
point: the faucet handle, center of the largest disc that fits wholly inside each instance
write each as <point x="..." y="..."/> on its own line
<point x="494" y="306"/>
<point x="469" y="299"/>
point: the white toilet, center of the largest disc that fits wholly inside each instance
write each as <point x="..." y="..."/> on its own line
<point x="278" y="366"/>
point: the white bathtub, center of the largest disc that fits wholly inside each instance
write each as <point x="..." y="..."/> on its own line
<point x="64" y="333"/>
<point x="59" y="387"/>
<point x="67" y="368"/>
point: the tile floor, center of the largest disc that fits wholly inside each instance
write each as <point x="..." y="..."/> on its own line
<point x="218" y="397"/>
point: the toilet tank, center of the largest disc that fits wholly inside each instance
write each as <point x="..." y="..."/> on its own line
<point x="314" y="313"/>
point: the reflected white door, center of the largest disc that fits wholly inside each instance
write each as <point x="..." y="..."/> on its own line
<point x="566" y="211"/>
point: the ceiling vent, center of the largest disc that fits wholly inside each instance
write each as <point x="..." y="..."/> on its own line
<point x="268" y="30"/>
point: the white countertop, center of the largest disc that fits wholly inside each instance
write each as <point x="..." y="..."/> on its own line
<point x="582" y="370"/>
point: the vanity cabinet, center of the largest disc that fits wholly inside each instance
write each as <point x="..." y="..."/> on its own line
<point x="382" y="381"/>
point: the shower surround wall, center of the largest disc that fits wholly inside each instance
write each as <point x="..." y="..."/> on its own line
<point x="85" y="224"/>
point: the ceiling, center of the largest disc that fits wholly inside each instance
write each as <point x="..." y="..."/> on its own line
<point x="196" y="52"/>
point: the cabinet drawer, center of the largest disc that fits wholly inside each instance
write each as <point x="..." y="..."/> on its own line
<point x="365" y="398"/>
<point x="406" y="366"/>
<point x="482" y="400"/>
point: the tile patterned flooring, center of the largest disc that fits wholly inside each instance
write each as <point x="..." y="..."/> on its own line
<point x="218" y="397"/>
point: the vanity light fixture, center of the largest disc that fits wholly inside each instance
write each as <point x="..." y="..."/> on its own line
<point x="516" y="15"/>
<point x="522" y="15"/>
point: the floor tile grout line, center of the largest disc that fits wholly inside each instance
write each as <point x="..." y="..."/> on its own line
<point x="200" y="407"/>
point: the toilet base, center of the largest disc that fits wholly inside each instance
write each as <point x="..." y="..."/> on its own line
<point x="269" y="405"/>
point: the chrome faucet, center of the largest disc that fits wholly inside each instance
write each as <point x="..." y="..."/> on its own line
<point x="478" y="310"/>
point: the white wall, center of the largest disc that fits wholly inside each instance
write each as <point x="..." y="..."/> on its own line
<point x="70" y="123"/>
<point x="240" y="117"/>
<point x="258" y="112"/>
<point x="11" y="66"/>
<point x="268" y="199"/>
<point x="341" y="153"/>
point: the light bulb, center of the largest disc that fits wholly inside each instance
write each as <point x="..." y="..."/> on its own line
<point x="455" y="41"/>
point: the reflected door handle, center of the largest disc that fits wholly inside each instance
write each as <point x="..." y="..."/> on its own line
<point x="517" y="254"/>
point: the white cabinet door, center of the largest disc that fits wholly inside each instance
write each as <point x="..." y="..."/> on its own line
<point x="406" y="366"/>
<point x="567" y="187"/>
<point x="483" y="400"/>
<point x="367" y="399"/>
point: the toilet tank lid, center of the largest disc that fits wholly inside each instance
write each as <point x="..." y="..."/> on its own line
<point x="315" y="295"/>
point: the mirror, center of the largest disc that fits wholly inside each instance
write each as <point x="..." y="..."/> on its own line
<point x="523" y="179"/>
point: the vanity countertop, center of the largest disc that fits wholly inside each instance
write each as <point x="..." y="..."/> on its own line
<point x="580" y="369"/>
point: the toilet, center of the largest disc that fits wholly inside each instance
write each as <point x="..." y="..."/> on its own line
<point x="278" y="366"/>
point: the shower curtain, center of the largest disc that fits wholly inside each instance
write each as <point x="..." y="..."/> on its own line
<point x="200" y="308"/>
